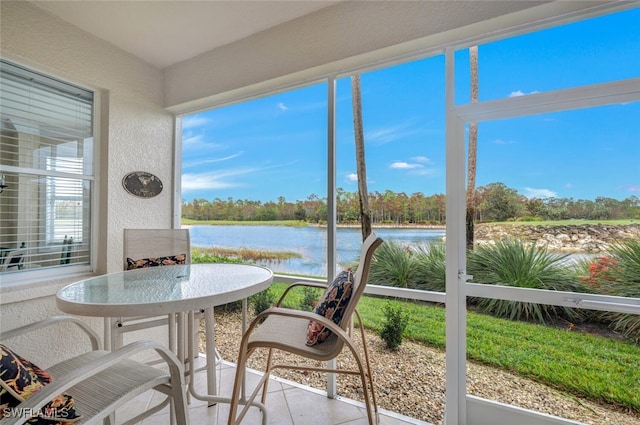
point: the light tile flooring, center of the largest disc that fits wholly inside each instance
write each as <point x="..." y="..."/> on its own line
<point x="287" y="403"/>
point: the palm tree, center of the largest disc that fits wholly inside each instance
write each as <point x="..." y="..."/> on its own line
<point x="365" y="217"/>
<point x="473" y="147"/>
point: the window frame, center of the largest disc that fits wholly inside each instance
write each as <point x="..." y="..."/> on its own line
<point x="26" y="276"/>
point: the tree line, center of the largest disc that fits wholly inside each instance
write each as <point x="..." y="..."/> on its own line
<point x="493" y="202"/>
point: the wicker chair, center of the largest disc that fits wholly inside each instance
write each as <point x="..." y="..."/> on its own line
<point x="101" y="381"/>
<point x="279" y="328"/>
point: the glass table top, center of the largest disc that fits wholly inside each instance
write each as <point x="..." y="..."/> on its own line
<point x="163" y="289"/>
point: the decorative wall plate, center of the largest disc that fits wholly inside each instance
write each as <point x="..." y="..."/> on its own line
<point x="142" y="184"/>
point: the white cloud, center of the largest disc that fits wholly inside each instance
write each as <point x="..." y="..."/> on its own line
<point x="390" y="134"/>
<point x="197" y="163"/>
<point x="204" y="181"/>
<point x="502" y="142"/>
<point x="282" y="106"/>
<point x="539" y="193"/>
<point x="194" y="121"/>
<point x="420" y="159"/>
<point x="353" y="178"/>
<point x="521" y="93"/>
<point x="192" y="140"/>
<point x="401" y="165"/>
<point x="422" y="172"/>
<point x="219" y="179"/>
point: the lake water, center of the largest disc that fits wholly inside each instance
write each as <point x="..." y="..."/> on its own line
<point x="309" y="242"/>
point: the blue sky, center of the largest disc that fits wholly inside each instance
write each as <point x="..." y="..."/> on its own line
<point x="276" y="146"/>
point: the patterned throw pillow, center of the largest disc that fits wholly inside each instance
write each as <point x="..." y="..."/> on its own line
<point x="156" y="261"/>
<point x="20" y="379"/>
<point x="331" y="305"/>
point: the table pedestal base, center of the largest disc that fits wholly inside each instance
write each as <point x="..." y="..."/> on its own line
<point x="212" y="358"/>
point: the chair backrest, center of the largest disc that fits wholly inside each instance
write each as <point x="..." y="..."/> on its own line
<point x="13" y="260"/>
<point x="147" y="243"/>
<point x="361" y="276"/>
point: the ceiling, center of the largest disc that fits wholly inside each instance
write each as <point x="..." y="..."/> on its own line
<point x="163" y="33"/>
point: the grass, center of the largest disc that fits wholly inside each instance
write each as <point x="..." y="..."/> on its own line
<point x="291" y="223"/>
<point x="243" y="254"/>
<point x="590" y="366"/>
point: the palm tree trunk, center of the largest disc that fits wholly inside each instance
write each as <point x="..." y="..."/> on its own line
<point x="365" y="217"/>
<point x="473" y="149"/>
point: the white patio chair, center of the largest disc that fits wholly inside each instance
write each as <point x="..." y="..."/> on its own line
<point x="153" y="248"/>
<point x="14" y="260"/>
<point x="150" y="248"/>
<point x="285" y="329"/>
<point x="101" y="381"/>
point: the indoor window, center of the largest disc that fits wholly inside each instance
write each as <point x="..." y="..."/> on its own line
<point x="46" y="166"/>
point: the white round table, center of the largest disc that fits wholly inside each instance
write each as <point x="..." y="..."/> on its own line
<point x="162" y="290"/>
<point x="175" y="291"/>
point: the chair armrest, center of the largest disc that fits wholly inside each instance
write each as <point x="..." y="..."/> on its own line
<point x="64" y="383"/>
<point x="96" y="342"/>
<point x="296" y="284"/>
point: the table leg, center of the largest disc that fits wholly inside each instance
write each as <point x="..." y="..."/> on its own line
<point x="210" y="352"/>
<point x="108" y="323"/>
<point x="113" y="338"/>
<point x="210" y="335"/>
<point x="212" y="396"/>
<point x="243" y="390"/>
<point x="173" y="338"/>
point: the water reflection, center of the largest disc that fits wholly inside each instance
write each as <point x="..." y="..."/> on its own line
<point x="310" y="243"/>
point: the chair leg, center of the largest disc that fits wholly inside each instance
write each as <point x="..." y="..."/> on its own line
<point x="370" y="380"/>
<point x="267" y="372"/>
<point x="368" y="368"/>
<point x="179" y="405"/>
<point x="237" y="384"/>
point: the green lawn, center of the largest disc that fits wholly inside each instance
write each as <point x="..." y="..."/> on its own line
<point x="585" y="365"/>
<point x="292" y="223"/>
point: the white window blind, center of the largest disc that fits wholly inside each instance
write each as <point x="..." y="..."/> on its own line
<point x="46" y="162"/>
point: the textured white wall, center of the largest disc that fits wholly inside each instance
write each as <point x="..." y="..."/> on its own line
<point x="136" y="134"/>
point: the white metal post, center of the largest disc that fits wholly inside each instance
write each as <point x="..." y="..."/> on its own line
<point x="455" y="406"/>
<point x="331" y="205"/>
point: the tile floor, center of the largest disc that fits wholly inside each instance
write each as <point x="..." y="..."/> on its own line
<point x="287" y="403"/>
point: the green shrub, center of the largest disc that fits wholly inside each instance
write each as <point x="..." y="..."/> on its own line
<point x="309" y="298"/>
<point x="529" y="218"/>
<point x="262" y="301"/>
<point x="512" y="263"/>
<point x="623" y="279"/>
<point x="231" y="307"/>
<point x="396" y="321"/>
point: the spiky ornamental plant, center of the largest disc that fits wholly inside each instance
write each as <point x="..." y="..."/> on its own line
<point x="624" y="281"/>
<point x="394" y="266"/>
<point x="431" y="268"/>
<point x="512" y="263"/>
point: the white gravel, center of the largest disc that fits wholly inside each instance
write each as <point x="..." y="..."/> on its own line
<point x="411" y="381"/>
